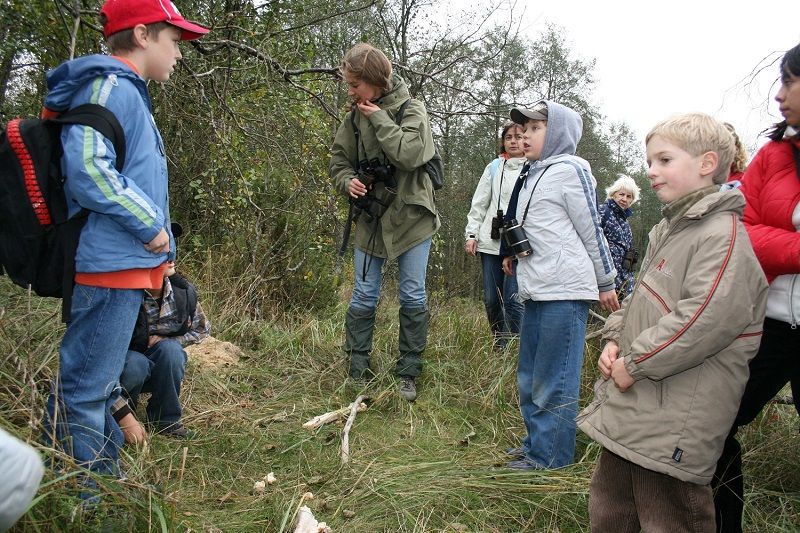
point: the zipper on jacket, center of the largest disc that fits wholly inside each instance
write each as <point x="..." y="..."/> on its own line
<point x="791" y="302"/>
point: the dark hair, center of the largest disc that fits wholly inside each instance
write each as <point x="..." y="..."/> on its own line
<point x="790" y="66"/>
<point x="502" y="141"/>
<point x="122" y="41"/>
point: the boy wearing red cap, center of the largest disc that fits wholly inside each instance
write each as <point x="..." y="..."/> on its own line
<point x="126" y="241"/>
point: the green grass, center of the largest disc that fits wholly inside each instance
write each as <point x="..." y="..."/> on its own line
<point x="426" y="467"/>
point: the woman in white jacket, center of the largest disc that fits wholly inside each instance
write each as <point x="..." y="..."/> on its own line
<point x="489" y="204"/>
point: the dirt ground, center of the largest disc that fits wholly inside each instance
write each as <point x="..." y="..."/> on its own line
<point x="213" y="354"/>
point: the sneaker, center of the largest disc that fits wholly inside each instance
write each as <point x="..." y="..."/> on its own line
<point x="408" y="388"/>
<point x="525" y="464"/>
<point x="176" y="431"/>
<point x="517" y="452"/>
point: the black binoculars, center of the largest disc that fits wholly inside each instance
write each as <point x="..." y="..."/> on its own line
<point x="515" y="239"/>
<point x="372" y="171"/>
<point x="497" y="224"/>
<point x="630" y="259"/>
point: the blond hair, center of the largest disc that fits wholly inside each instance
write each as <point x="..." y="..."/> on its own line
<point x="696" y="134"/>
<point x="740" y="157"/>
<point x="624" y="183"/>
<point x="366" y="63"/>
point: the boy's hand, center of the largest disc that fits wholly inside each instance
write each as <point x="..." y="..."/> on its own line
<point x="367" y="108"/>
<point x="356" y="189"/>
<point x="132" y="430"/>
<point x="608" y="300"/>
<point x="620" y="375"/>
<point x="607" y="358"/>
<point x="159" y="244"/>
<point x="508" y="266"/>
<point x="471" y="247"/>
<point x="153" y="340"/>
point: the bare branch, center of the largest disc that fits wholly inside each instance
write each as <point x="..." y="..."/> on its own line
<point x="323" y="18"/>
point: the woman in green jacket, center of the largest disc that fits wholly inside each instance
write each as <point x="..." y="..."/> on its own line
<point x="379" y="164"/>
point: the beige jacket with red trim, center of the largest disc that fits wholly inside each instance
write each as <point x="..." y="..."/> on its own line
<point x="687" y="334"/>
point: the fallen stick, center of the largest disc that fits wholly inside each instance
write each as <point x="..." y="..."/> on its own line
<point x="332" y="416"/>
<point x="346" y="434"/>
<point x="597" y="316"/>
<point x="594" y="334"/>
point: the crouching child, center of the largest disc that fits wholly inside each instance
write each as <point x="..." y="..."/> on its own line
<point x="169" y="320"/>
<point x="675" y="360"/>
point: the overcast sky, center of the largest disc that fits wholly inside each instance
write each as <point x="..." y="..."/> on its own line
<point x="654" y="59"/>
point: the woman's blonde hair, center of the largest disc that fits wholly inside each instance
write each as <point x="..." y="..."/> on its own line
<point x="366" y="63"/>
<point x="624" y="183"/>
<point x="739" y="163"/>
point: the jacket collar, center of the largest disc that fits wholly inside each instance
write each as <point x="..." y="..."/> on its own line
<point x="700" y="203"/>
<point x="614" y="206"/>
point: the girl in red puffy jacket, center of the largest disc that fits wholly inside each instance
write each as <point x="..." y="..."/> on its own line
<point x="771" y="187"/>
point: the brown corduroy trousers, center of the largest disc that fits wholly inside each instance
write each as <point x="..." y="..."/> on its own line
<point x="624" y="497"/>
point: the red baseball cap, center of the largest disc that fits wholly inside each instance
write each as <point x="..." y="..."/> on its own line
<point x="125" y="14"/>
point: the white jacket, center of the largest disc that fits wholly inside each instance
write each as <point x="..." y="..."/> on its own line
<point x="570" y="259"/>
<point x="784" y="292"/>
<point x="485" y="201"/>
<point x="22" y="470"/>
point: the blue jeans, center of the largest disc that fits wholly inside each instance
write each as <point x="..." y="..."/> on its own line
<point x="159" y="371"/>
<point x="548" y="376"/>
<point x="500" y="296"/>
<point x="413" y="267"/>
<point x="91" y="359"/>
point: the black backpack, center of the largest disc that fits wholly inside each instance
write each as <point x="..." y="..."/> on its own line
<point x="37" y="239"/>
<point x="434" y="167"/>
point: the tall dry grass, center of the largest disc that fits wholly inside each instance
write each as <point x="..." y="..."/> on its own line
<point x="435" y="465"/>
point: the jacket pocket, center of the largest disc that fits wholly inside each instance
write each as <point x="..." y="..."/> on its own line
<point x="653" y="291"/>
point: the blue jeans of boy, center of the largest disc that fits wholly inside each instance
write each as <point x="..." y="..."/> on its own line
<point x="91" y="359"/>
<point x="500" y="296"/>
<point x="412" y="266"/>
<point x="548" y="376"/>
<point x="159" y="371"/>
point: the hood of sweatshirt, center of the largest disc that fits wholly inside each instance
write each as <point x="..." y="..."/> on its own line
<point x="564" y="130"/>
<point x="64" y="80"/>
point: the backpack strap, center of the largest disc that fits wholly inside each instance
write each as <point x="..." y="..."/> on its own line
<point x="104" y="121"/>
<point x="493" y="166"/>
<point x="101" y="119"/>
<point x="398" y="118"/>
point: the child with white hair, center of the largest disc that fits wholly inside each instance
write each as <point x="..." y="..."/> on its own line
<point x="614" y="213"/>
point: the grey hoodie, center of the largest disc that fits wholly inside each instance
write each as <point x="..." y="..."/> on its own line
<point x="570" y="259"/>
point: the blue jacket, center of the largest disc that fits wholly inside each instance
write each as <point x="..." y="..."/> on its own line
<point x="126" y="209"/>
<point x="620" y="239"/>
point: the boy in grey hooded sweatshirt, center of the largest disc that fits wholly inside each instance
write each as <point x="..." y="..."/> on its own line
<point x="569" y="266"/>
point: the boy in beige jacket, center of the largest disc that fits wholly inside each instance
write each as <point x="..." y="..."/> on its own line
<point x="675" y="360"/>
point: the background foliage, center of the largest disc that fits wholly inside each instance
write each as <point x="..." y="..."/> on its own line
<point x="250" y="114"/>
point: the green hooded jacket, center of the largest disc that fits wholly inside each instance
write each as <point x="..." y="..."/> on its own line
<point x="412" y="216"/>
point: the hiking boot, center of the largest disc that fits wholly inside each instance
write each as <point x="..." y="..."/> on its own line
<point x="412" y="341"/>
<point x="519" y="453"/>
<point x="525" y="464"/>
<point x="408" y="388"/>
<point x="359" y="325"/>
<point x="176" y="431"/>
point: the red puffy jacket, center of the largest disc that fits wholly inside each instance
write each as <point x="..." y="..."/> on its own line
<point x="771" y="187"/>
